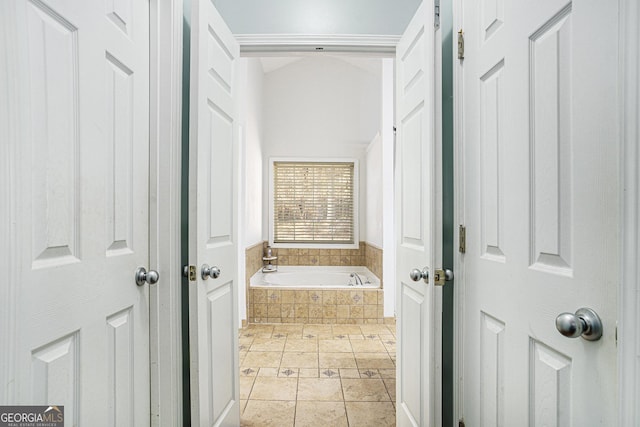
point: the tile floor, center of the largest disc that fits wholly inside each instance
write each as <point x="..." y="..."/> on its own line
<point x="317" y="375"/>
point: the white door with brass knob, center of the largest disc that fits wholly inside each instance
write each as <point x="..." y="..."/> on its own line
<point x="539" y="153"/>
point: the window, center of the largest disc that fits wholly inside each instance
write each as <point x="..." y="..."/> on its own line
<point x="314" y="203"/>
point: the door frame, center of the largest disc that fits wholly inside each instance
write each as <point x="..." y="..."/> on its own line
<point x="165" y="127"/>
<point x="629" y="304"/>
<point x="629" y="229"/>
<point x="9" y="133"/>
<point x="458" y="214"/>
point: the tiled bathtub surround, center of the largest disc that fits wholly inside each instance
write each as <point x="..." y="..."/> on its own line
<point x="315" y="306"/>
<point x="362" y="306"/>
<point x="253" y="259"/>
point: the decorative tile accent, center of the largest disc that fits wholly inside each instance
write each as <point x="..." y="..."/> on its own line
<point x="369" y="373"/>
<point x="329" y="373"/>
<point x="288" y="372"/>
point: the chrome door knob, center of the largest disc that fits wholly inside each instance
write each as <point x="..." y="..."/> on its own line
<point x="585" y="323"/>
<point x="143" y="276"/>
<point x="417" y="274"/>
<point x="206" y="272"/>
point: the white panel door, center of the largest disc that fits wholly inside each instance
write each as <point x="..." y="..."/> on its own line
<point x="213" y="302"/>
<point x="541" y="200"/>
<point x="419" y="224"/>
<point x="79" y="90"/>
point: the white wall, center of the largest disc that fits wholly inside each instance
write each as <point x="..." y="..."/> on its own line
<point x="250" y="130"/>
<point x="388" y="191"/>
<point x="374" y="192"/>
<point x="253" y="153"/>
<point x="320" y="106"/>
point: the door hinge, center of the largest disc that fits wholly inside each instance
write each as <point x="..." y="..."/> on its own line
<point x="460" y="423"/>
<point x="462" y="239"/>
<point x="189" y="271"/>
<point x="436" y="14"/>
<point x="460" y="44"/>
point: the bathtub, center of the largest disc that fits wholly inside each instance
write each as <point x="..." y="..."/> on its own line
<point x="315" y="277"/>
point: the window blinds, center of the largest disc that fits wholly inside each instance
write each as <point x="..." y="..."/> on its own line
<point x="313" y="202"/>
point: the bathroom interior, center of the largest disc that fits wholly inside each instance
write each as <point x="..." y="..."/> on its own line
<point x="317" y="107"/>
<point x="317" y="355"/>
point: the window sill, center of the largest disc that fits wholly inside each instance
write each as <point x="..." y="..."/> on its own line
<point x="315" y="245"/>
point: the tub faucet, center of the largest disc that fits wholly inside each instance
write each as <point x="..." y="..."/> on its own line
<point x="358" y="279"/>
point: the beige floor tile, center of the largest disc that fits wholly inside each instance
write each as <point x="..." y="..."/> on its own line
<point x="391" y="387"/>
<point x="389" y="337"/>
<point x="367" y="414"/>
<point x="309" y="373"/>
<point x="241" y="356"/>
<point x="364" y="390"/>
<point x="390" y="346"/>
<point x="321" y="414"/>
<point x="291" y="331"/>
<point x="263" y="413"/>
<point x="388" y="373"/>
<point x="245" y="341"/>
<point x="266" y="359"/>
<point x="274" y="388"/>
<point x="375" y="329"/>
<point x="346" y="330"/>
<point x="349" y="373"/>
<point x="318" y="329"/>
<point x="337" y="360"/>
<point x="335" y="346"/>
<point x="374" y="360"/>
<point x="268" y="344"/>
<point x="320" y="389"/>
<point x="246" y="383"/>
<point x="367" y="346"/>
<point x="268" y="372"/>
<point x="301" y="345"/>
<point x="259" y="331"/>
<point x="300" y="360"/>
